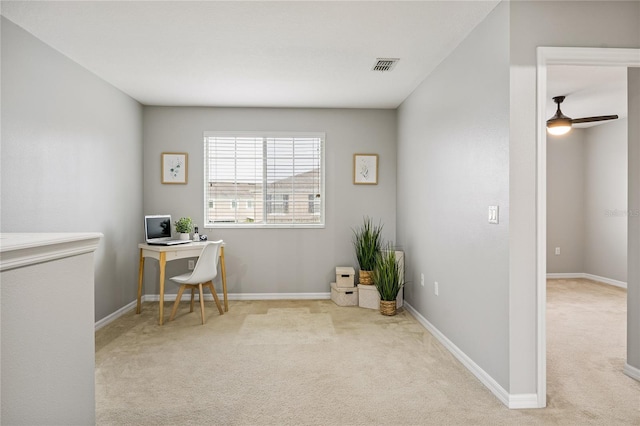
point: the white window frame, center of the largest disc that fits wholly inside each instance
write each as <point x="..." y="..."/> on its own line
<point x="236" y="134"/>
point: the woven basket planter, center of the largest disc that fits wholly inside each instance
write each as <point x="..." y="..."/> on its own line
<point x="388" y="307"/>
<point x="365" y="277"/>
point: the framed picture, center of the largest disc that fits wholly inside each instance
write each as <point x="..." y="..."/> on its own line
<point x="365" y="169"/>
<point x="174" y="167"/>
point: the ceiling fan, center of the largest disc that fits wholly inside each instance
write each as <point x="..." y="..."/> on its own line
<point x="560" y="124"/>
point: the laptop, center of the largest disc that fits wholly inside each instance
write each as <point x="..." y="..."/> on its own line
<point x="157" y="230"/>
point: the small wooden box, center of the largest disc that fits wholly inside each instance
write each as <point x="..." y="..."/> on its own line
<point x="345" y="276"/>
<point x="344" y="296"/>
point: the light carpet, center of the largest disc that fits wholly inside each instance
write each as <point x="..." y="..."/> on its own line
<point x="314" y="363"/>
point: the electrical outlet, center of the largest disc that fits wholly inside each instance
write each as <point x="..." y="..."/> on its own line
<point x="435" y="288"/>
<point x="422" y="280"/>
<point x="557" y="251"/>
<point x="192" y="264"/>
<point x="494" y="214"/>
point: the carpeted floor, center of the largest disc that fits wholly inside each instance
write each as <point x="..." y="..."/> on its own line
<point x="314" y="363"/>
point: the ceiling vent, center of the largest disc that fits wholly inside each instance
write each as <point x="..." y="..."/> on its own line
<point x="385" y="64"/>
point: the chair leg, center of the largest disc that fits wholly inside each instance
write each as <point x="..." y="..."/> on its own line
<point x="201" y="302"/>
<point x="176" y="303"/>
<point x="215" y="296"/>
<point x="192" y="293"/>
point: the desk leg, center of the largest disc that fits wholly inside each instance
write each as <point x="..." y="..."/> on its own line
<point x="223" y="272"/>
<point x="163" y="263"/>
<point x="140" y="275"/>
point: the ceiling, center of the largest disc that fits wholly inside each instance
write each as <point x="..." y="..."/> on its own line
<point x="282" y="54"/>
<point x="589" y="91"/>
<point x="267" y="53"/>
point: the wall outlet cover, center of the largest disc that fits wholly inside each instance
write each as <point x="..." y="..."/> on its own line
<point x="493" y="214"/>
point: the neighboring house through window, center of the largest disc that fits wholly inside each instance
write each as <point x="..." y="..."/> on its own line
<point x="314" y="204"/>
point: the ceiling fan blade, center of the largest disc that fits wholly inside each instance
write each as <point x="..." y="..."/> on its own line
<point x="592" y="119"/>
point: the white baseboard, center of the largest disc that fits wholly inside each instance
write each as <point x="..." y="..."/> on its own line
<point x="591" y="277"/>
<point x="523" y="401"/>
<point x="632" y="372"/>
<point x="114" y="316"/>
<point x="515" y="401"/>
<point x="242" y="296"/>
<point x="564" y="275"/>
<point x="605" y="280"/>
<point x="208" y="297"/>
<point x="279" y="296"/>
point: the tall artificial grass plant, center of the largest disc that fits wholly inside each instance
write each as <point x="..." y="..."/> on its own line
<point x="367" y="241"/>
<point x="387" y="276"/>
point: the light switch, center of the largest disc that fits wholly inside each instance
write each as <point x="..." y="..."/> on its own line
<point x="493" y="214"/>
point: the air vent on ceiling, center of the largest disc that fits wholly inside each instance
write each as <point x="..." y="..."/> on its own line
<point x="385" y="64"/>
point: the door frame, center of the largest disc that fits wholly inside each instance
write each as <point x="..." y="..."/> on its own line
<point x="557" y="56"/>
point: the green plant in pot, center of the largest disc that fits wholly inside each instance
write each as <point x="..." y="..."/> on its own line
<point x="184" y="226"/>
<point x="367" y="241"/>
<point x="387" y="277"/>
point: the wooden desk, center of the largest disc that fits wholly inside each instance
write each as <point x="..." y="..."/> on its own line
<point x="164" y="254"/>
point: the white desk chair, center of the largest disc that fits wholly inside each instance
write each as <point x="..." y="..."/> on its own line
<point x="203" y="274"/>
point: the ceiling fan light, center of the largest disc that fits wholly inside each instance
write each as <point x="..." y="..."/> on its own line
<point x="558" y="126"/>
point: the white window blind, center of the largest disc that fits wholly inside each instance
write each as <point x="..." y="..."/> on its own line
<point x="264" y="180"/>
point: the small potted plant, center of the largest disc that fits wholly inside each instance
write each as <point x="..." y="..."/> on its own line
<point x="184" y="226"/>
<point x="387" y="277"/>
<point x="367" y="241"/>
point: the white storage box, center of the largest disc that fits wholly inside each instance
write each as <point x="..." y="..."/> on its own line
<point x="345" y="276"/>
<point x="344" y="296"/>
<point x="368" y="297"/>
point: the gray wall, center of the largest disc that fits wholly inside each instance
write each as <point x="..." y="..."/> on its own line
<point x="587" y="201"/>
<point x="606" y="201"/>
<point x="71" y="159"/>
<point x="275" y="260"/>
<point x="565" y="201"/>
<point x="533" y="24"/>
<point x="453" y="162"/>
<point x="633" y="267"/>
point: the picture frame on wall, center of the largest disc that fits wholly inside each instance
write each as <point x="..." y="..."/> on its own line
<point x="365" y="169"/>
<point x="174" y="167"/>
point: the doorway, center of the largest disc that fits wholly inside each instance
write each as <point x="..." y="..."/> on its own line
<point x="566" y="56"/>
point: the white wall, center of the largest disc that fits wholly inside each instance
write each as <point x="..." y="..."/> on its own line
<point x="71" y="159"/>
<point x="453" y="162"/>
<point x="566" y="202"/>
<point x="48" y="345"/>
<point x="606" y="201"/>
<point x="276" y="260"/>
<point x="534" y="24"/>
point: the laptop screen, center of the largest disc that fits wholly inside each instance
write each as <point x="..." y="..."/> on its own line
<point x="157" y="226"/>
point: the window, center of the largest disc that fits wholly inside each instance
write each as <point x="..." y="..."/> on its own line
<point x="314" y="204"/>
<point x="277" y="204"/>
<point x="278" y="177"/>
